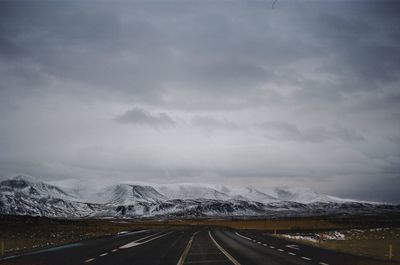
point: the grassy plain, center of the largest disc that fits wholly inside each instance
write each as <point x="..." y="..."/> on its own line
<point x="24" y="233"/>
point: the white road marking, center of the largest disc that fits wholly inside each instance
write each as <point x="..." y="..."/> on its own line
<point x="206" y="261"/>
<point x="323" y="263"/>
<point x="114" y="250"/>
<point x="271" y="246"/>
<point x="242" y="236"/>
<point x="259" y="243"/>
<point x="265" y="245"/>
<point x="291" y="253"/>
<point x="143" y="238"/>
<point x="42" y="251"/>
<point x="296" y="247"/>
<point x="132" y="233"/>
<point x="89" y="260"/>
<point x="235" y="262"/>
<point x="186" y="251"/>
<point x="104" y="254"/>
<point x="281" y="250"/>
<point x="136" y="243"/>
<point x="305" y="258"/>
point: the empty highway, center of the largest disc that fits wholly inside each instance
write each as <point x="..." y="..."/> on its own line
<point x="178" y="247"/>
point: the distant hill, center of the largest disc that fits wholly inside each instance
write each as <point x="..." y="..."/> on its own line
<point x="24" y="195"/>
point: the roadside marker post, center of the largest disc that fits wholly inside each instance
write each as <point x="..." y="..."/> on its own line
<point x="1" y="247"/>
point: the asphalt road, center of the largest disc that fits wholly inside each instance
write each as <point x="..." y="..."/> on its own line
<point x="185" y="247"/>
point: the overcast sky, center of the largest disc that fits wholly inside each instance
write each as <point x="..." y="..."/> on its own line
<point x="230" y="92"/>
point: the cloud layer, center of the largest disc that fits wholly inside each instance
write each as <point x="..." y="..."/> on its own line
<point x="305" y="94"/>
<point x="138" y="116"/>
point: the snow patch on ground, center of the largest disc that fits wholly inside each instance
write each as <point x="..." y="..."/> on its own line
<point x="300" y="238"/>
<point x="315" y="237"/>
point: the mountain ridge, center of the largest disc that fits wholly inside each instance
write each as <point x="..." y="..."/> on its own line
<point x="26" y="196"/>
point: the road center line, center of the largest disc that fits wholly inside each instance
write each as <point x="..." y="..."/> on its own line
<point x="235" y="262"/>
<point x="114" y="250"/>
<point x="323" y="263"/>
<point x="89" y="260"/>
<point x="291" y="253"/>
<point x="305" y="258"/>
<point x="104" y="254"/>
<point x="186" y="251"/>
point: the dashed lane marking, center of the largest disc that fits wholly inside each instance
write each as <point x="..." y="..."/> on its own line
<point x="104" y="254"/>
<point x="43" y="251"/>
<point x="206" y="261"/>
<point x="296" y="247"/>
<point x="114" y="250"/>
<point x="89" y="260"/>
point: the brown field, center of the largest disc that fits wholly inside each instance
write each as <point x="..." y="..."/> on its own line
<point x="374" y="242"/>
<point x="23" y="233"/>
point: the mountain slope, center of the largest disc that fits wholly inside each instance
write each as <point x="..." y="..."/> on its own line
<point x="22" y="195"/>
<point x="304" y="195"/>
<point x="25" y="196"/>
<point x="125" y="194"/>
<point x="192" y="191"/>
<point x="28" y="186"/>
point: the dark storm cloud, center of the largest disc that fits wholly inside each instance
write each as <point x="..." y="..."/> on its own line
<point x="325" y="74"/>
<point x="208" y="51"/>
<point x="8" y="50"/>
<point x="141" y="117"/>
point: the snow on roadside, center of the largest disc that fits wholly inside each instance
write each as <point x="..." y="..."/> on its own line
<point x="315" y="237"/>
<point x="300" y="238"/>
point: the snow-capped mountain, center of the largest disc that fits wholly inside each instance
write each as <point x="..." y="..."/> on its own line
<point x="28" y="186"/>
<point x="192" y="191"/>
<point x="22" y="195"/>
<point x="126" y="194"/>
<point x="264" y="195"/>
<point x="25" y="196"/>
<point x="304" y="195"/>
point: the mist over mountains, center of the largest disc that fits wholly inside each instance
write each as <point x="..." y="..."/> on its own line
<point x="23" y="195"/>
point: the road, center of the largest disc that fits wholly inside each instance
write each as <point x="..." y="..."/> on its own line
<point x="185" y="247"/>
